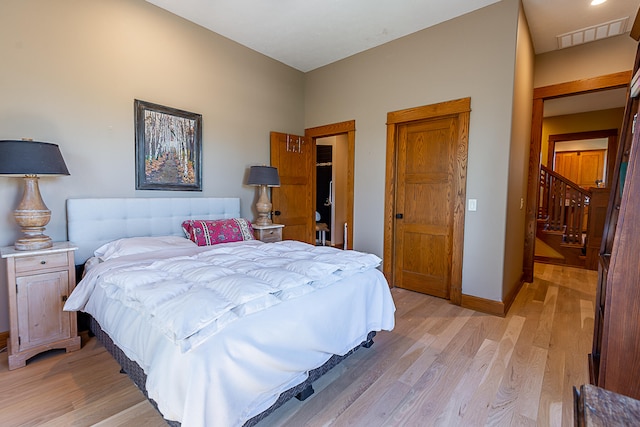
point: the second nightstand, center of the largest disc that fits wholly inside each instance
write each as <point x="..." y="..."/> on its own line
<point x="268" y="233"/>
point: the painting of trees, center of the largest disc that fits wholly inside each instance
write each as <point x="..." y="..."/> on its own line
<point x="168" y="148"/>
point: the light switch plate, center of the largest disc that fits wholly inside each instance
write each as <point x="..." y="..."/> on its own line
<point x="473" y="205"/>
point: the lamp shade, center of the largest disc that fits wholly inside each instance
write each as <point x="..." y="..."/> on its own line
<point x="264" y="175"/>
<point x="31" y="158"/>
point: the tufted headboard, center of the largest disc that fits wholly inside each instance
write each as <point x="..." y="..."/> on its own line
<point x="94" y="222"/>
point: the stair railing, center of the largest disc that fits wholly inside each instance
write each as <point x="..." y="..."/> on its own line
<point x="563" y="205"/>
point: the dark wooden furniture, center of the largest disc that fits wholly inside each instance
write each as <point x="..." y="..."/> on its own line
<point x="615" y="357"/>
<point x="595" y="406"/>
<point x="597" y="216"/>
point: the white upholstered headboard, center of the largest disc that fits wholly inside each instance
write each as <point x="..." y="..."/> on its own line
<point x="93" y="222"/>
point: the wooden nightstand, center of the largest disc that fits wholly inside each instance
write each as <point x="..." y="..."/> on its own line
<point x="268" y="233"/>
<point x="39" y="283"/>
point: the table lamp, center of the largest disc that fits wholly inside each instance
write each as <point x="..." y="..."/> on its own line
<point x="263" y="176"/>
<point x="29" y="159"/>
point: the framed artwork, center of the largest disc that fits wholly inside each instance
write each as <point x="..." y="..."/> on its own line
<point x="168" y="148"/>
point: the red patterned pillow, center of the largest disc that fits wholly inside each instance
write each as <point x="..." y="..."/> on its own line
<point x="212" y="232"/>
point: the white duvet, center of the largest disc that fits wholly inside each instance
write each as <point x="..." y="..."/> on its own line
<point x="221" y="331"/>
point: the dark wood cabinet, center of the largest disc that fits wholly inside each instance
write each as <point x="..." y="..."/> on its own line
<point x="594" y="407"/>
<point x="597" y="216"/>
<point x="615" y="357"/>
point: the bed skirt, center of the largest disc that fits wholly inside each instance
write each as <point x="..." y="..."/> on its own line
<point x="302" y="390"/>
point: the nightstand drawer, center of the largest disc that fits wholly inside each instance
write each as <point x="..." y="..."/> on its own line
<point x="268" y="233"/>
<point x="271" y="235"/>
<point x="41" y="262"/>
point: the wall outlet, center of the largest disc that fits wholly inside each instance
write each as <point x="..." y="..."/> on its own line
<point x="473" y="205"/>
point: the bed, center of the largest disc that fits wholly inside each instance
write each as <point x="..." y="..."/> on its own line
<point x="271" y="318"/>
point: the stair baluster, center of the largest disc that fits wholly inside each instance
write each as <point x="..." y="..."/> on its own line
<point x="563" y="205"/>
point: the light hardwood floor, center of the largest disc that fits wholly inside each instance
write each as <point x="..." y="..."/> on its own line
<point x="442" y="365"/>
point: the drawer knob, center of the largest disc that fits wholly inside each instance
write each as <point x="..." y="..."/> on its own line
<point x="43" y="262"/>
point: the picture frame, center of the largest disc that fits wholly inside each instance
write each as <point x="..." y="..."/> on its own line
<point x="168" y="148"/>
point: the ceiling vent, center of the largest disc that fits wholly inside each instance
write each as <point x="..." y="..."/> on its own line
<point x="593" y="33"/>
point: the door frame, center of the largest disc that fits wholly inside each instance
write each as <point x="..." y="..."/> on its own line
<point x="349" y="128"/>
<point x="461" y="109"/>
<point x="577" y="87"/>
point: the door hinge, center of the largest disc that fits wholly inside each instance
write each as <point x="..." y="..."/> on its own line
<point x="16" y="288"/>
<point x="19" y="340"/>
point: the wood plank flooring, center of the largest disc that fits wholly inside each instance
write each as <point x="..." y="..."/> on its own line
<point x="442" y="365"/>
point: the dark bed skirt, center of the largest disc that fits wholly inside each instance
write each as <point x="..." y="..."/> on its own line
<point x="138" y="376"/>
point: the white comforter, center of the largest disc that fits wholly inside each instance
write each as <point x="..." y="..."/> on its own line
<point x="229" y="360"/>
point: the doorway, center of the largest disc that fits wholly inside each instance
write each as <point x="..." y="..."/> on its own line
<point x="331" y="190"/>
<point x="606" y="82"/>
<point x="341" y="136"/>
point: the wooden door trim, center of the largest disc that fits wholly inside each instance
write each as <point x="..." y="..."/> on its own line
<point x="348" y="127"/>
<point x="594" y="84"/>
<point x="577" y="87"/>
<point x="429" y="111"/>
<point x="460" y="108"/>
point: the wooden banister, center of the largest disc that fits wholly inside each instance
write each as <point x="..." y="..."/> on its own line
<point x="563" y="205"/>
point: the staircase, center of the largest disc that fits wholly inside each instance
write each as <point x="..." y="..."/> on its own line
<point x="563" y="218"/>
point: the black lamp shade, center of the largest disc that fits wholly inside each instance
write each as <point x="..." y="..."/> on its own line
<point x="263" y="175"/>
<point x="31" y="158"/>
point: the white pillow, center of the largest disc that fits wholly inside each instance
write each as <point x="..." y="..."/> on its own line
<point x="138" y="245"/>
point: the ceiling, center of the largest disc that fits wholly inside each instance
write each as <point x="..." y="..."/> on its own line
<point x="308" y="34"/>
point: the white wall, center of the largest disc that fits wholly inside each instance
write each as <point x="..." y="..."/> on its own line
<point x="584" y="61"/>
<point x="71" y="70"/>
<point x="582" y="145"/>
<point x="518" y="158"/>
<point x="470" y="56"/>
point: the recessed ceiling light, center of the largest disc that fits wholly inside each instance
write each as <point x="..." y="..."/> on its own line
<point x="597" y="2"/>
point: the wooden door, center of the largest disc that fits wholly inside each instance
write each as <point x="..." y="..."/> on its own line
<point x="591" y="168"/>
<point x="582" y="167"/>
<point x="293" y="202"/>
<point x="425" y="200"/>
<point x="566" y="164"/>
